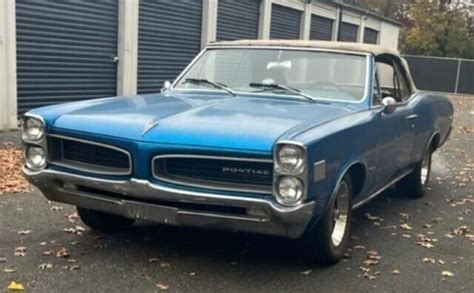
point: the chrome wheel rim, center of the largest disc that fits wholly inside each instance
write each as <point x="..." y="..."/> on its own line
<point x="340" y="214"/>
<point x="425" y="168"/>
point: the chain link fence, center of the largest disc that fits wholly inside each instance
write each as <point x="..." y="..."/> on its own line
<point x="440" y="74"/>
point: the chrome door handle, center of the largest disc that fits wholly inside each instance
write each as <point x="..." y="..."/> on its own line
<point x="411" y="117"/>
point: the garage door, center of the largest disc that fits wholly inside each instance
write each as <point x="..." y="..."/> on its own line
<point x="65" y="51"/>
<point x="348" y="32"/>
<point x="370" y="36"/>
<point x="169" y="38"/>
<point x="237" y="19"/>
<point x="285" y="23"/>
<point x="321" y="28"/>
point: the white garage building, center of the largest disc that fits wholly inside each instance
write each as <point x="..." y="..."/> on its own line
<point x="59" y="51"/>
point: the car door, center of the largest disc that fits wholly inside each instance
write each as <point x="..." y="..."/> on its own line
<point x="395" y="131"/>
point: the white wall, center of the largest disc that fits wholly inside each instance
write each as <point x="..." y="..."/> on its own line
<point x="8" y="94"/>
<point x="389" y="35"/>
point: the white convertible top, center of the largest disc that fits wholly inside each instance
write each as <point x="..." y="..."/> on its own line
<point x="344" y="46"/>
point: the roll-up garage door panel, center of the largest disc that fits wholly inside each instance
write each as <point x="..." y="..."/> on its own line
<point x="370" y="36"/>
<point x="65" y="51"/>
<point x="238" y="19"/>
<point x="321" y="28"/>
<point x="285" y="23"/>
<point x="348" y="32"/>
<point x="169" y="38"/>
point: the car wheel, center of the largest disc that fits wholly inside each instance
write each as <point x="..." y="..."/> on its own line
<point x="414" y="184"/>
<point x="326" y="242"/>
<point x="102" y="221"/>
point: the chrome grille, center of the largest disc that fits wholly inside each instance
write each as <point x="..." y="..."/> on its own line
<point x="89" y="156"/>
<point x="224" y="173"/>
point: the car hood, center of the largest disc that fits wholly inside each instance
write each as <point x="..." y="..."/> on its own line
<point x="242" y="122"/>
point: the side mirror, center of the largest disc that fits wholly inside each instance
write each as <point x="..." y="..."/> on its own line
<point x="166" y="86"/>
<point x="389" y="105"/>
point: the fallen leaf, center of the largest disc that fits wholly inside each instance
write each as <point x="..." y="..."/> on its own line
<point x="71" y="267"/>
<point x="16" y="286"/>
<point x="20" y="251"/>
<point x="2" y="259"/>
<point x="55" y="208"/>
<point x="153" y="260"/>
<point x="45" y="266"/>
<point x="162" y="286"/>
<point x="359" y="247"/>
<point x="370" y="262"/>
<point x="395" y="272"/>
<point x="8" y="271"/>
<point x="306" y="272"/>
<point x="62" y="253"/>
<point x="429" y="259"/>
<point x="405" y="226"/>
<point x="24" y="232"/>
<point x="373" y="218"/>
<point x="447" y="274"/>
<point x="165" y="265"/>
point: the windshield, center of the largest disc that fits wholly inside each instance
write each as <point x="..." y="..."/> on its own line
<point x="322" y="75"/>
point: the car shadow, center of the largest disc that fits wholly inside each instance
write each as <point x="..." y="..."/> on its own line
<point x="165" y="242"/>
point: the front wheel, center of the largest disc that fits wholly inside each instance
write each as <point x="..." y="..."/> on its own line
<point x="103" y="222"/>
<point x="326" y="242"/>
<point x="414" y="184"/>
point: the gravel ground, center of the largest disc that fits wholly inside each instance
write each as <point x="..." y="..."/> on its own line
<point x="36" y="251"/>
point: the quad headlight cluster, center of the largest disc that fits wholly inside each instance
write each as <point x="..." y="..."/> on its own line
<point x="33" y="136"/>
<point x="290" y="171"/>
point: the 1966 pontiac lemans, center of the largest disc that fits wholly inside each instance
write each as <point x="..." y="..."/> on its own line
<point x="274" y="137"/>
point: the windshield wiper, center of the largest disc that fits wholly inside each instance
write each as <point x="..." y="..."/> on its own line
<point x="209" y="82"/>
<point x="282" y="87"/>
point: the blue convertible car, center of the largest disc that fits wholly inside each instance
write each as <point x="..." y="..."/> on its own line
<point x="274" y="137"/>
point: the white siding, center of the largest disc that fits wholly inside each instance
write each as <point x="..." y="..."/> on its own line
<point x="8" y="93"/>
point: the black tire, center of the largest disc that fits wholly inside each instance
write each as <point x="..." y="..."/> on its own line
<point x="318" y="243"/>
<point x="102" y="221"/>
<point x="414" y="184"/>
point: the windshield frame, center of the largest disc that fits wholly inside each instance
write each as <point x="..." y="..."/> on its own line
<point x="368" y="73"/>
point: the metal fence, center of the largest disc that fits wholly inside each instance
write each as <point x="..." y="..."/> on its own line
<point x="440" y="74"/>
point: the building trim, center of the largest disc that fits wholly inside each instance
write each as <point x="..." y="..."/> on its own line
<point x="306" y="22"/>
<point x="297" y="5"/>
<point x="265" y="19"/>
<point x="127" y="45"/>
<point x="8" y="76"/>
<point x="209" y="21"/>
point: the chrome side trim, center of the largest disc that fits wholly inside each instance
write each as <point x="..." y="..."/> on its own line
<point x="222" y="186"/>
<point x="94" y="169"/>
<point x="382" y="189"/>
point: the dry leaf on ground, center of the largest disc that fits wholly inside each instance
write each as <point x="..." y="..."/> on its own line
<point x="11" y="178"/>
<point x="16" y="286"/>
<point x="162" y="286"/>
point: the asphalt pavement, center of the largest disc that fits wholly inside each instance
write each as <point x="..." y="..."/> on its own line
<point x="397" y="245"/>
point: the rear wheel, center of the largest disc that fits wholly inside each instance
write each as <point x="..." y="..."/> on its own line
<point x="414" y="184"/>
<point x="103" y="222"/>
<point x="326" y="242"/>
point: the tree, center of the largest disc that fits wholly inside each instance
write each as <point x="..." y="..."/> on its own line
<point x="429" y="27"/>
<point x="438" y="28"/>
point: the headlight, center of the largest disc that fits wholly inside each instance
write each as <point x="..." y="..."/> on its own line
<point x="290" y="158"/>
<point x="289" y="190"/>
<point x="33" y="129"/>
<point x="35" y="157"/>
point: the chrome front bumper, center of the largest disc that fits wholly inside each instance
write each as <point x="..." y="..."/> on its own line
<point x="141" y="199"/>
